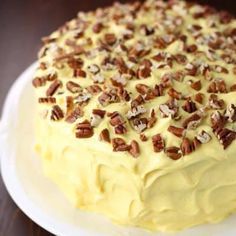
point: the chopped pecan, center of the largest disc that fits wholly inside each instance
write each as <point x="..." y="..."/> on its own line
<point x="136" y="111"/>
<point x="216" y="103"/>
<point x="217" y="86"/>
<point x="108" y="97"/>
<point x="134" y="149"/>
<point x="187" y="146"/>
<point x="191" y="48"/>
<point x="105" y="135"/>
<point x="142" y="88"/>
<point x="233" y="88"/>
<point x="152" y="119"/>
<point x="140" y="124"/>
<point x="196" y="85"/>
<point x="143" y="137"/>
<point x="84" y="130"/>
<point x="177" y="131"/>
<point x="189" y="106"/>
<point x="225" y="136"/>
<point x="143" y="72"/>
<point x="137" y="101"/>
<point x="230" y="113"/>
<point x="120" y="129"/>
<point x="191" y="69"/>
<point x="43" y="66"/>
<point x="110" y="39"/>
<point x="97" y="28"/>
<point x="53" y="88"/>
<point x="93" y="68"/>
<point x="181" y="59"/>
<point x="119" y="145"/>
<point x="94" y="89"/>
<point x="116" y="119"/>
<point x="79" y="73"/>
<point x="99" y="112"/>
<point x="74" y="115"/>
<point x="217" y="119"/>
<point x="39" y="82"/>
<point x="47" y="100"/>
<point x="73" y="87"/>
<point x="175" y="94"/>
<point x="56" y="113"/>
<point x="158" y="143"/>
<point x="169" y="109"/>
<point x="220" y="69"/>
<point x="69" y="104"/>
<point x="203" y="137"/>
<point x="173" y="152"/>
<point x="192" y="121"/>
<point x="123" y="94"/>
<point x="199" y="97"/>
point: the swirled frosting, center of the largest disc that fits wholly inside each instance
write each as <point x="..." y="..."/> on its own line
<point x="136" y="113"/>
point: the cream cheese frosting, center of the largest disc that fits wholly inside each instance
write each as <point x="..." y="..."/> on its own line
<point x="168" y="171"/>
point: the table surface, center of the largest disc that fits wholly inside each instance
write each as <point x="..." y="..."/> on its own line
<point x="22" y="25"/>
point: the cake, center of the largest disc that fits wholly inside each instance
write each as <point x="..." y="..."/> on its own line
<point x="136" y="111"/>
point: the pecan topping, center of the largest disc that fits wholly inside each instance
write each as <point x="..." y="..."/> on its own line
<point x="38" y="82"/>
<point x="99" y="112"/>
<point x="233" y="88"/>
<point x="152" y="119"/>
<point x="203" y="137"/>
<point x="79" y="73"/>
<point x="189" y="106"/>
<point x="216" y="103"/>
<point x="169" y="109"/>
<point x="196" y="85"/>
<point x="73" y="87"/>
<point x="143" y="137"/>
<point x="175" y="94"/>
<point x="53" y="88"/>
<point x="217" y="86"/>
<point x="177" y="131"/>
<point x="136" y="111"/>
<point x="140" y="124"/>
<point x="110" y="39"/>
<point x="158" y="143"/>
<point x="230" y="113"/>
<point x="217" y="119"/>
<point x="137" y="101"/>
<point x="173" y="152"/>
<point x="94" y="89"/>
<point x="142" y="88"/>
<point x="47" y="100"/>
<point x="134" y="148"/>
<point x="116" y="119"/>
<point x="119" y="145"/>
<point x="74" y="115"/>
<point x="97" y="28"/>
<point x="108" y="97"/>
<point x="105" y="135"/>
<point x="56" y="113"/>
<point x="94" y="69"/>
<point x="120" y="129"/>
<point x="192" y="121"/>
<point x="187" y="146"/>
<point x="225" y="136"/>
<point x="143" y="72"/>
<point x="199" y="97"/>
<point x="181" y="59"/>
<point x="84" y="130"/>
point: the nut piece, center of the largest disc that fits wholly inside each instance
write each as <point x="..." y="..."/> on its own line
<point x="135" y="111"/>
<point x="73" y="87"/>
<point x="140" y="124"/>
<point x="218" y="120"/>
<point x="216" y="103"/>
<point x="47" y="100"/>
<point x="56" y="113"/>
<point x="199" y="97"/>
<point x="187" y="146"/>
<point x="192" y="121"/>
<point x="74" y="115"/>
<point x="105" y="135"/>
<point x="143" y="137"/>
<point x="38" y="82"/>
<point x="173" y="152"/>
<point x="119" y="145"/>
<point x="84" y="130"/>
<point x="203" y="137"/>
<point x="169" y="109"/>
<point x="158" y="143"/>
<point x="230" y="113"/>
<point x="189" y="106"/>
<point x="225" y="136"/>
<point x="134" y="149"/>
<point x="175" y="94"/>
<point x="196" y="85"/>
<point x="217" y="86"/>
<point x="177" y="131"/>
<point x="53" y="88"/>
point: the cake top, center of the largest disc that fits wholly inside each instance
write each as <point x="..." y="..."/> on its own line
<point x="155" y="72"/>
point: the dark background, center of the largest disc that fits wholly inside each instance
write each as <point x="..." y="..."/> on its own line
<point x="22" y="24"/>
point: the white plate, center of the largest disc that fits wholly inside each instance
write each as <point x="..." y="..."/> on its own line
<point x="37" y="196"/>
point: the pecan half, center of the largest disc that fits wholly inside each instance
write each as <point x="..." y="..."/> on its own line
<point x="84" y="130"/>
<point x="217" y="86"/>
<point x="73" y="87"/>
<point x="53" y="88"/>
<point x="134" y="149"/>
<point x="177" y="131"/>
<point x="56" y="113"/>
<point x="140" y="124"/>
<point x="199" y="97"/>
<point x="74" y="115"/>
<point x="110" y="39"/>
<point x="137" y="101"/>
<point x="187" y="146"/>
<point x="143" y="137"/>
<point x="39" y="82"/>
<point x="203" y="137"/>
<point x="197" y="85"/>
<point x="108" y="97"/>
<point x="175" y="94"/>
<point x="230" y="113"/>
<point x="79" y="73"/>
<point x="119" y="145"/>
<point x="189" y="106"/>
<point x="116" y="119"/>
<point x="216" y="103"/>
<point x="105" y="135"/>
<point x="217" y="119"/>
<point x="225" y="136"/>
<point x="99" y="112"/>
<point x="192" y="121"/>
<point x="173" y="152"/>
<point x="47" y="100"/>
<point x="158" y="143"/>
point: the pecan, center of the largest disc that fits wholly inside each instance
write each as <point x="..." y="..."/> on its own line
<point x="84" y="130"/>
<point x="116" y="119"/>
<point x="94" y="89"/>
<point x="137" y="101"/>
<point x="192" y="121"/>
<point x="158" y="143"/>
<point x="191" y="48"/>
<point x="120" y="129"/>
<point x="142" y="88"/>
<point x="181" y="59"/>
<point x="47" y="100"/>
<point x="225" y="136"/>
<point x="56" y="113"/>
<point x="51" y="76"/>
<point x="105" y="135"/>
<point x="38" y="82"/>
<point x="75" y="63"/>
<point x="74" y="115"/>
<point x="177" y="131"/>
<point x="99" y="112"/>
<point x="196" y="85"/>
<point x="217" y="119"/>
<point x="123" y="94"/>
<point x="233" y="88"/>
<point x="143" y="72"/>
<point x="79" y="73"/>
<point x="95" y="120"/>
<point x="119" y="145"/>
<point x="191" y="69"/>
<point x="140" y="124"/>
<point x="189" y="106"/>
<point x="134" y="149"/>
<point x="173" y="152"/>
<point x="199" y="97"/>
<point x="97" y="28"/>
<point x="203" y="137"/>
<point x="220" y="69"/>
<point x="187" y="146"/>
<point x="110" y="39"/>
<point x="73" y="87"/>
<point x="217" y="86"/>
<point x="166" y="80"/>
<point x="69" y="104"/>
<point x="169" y="109"/>
<point x="108" y="97"/>
<point x="157" y="91"/>
<point x="53" y="88"/>
<point x="230" y="113"/>
<point x="143" y="137"/>
<point x="136" y="111"/>
<point x="216" y="103"/>
<point x="43" y="66"/>
<point x="175" y="94"/>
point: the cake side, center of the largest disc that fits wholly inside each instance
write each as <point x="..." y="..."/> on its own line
<point x="137" y="113"/>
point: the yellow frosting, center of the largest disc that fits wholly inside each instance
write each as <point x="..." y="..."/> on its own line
<point x="151" y="191"/>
